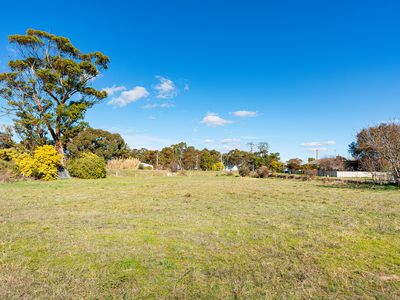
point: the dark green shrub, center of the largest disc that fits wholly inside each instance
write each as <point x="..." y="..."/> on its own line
<point x="87" y="166"/>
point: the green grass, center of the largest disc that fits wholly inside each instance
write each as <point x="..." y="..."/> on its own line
<point x="198" y="237"/>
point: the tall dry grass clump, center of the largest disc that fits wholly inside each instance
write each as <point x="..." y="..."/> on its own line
<point x="123" y="164"/>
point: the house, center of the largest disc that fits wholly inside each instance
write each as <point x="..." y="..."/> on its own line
<point x="231" y="168"/>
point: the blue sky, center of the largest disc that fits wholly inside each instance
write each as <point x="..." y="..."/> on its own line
<point x="220" y="74"/>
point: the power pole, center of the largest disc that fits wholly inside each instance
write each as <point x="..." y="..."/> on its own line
<point x="157" y="161"/>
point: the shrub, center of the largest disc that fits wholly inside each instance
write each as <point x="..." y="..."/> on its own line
<point x="174" y="167"/>
<point x="123" y="164"/>
<point x="311" y="174"/>
<point x="262" y="172"/>
<point x="46" y="162"/>
<point x="244" y="170"/>
<point x="8" y="154"/>
<point x="25" y="164"/>
<point x="219" y="166"/>
<point x="277" y="166"/>
<point x="8" y="171"/>
<point x="87" y="166"/>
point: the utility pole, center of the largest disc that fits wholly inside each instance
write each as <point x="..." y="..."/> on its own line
<point x="316" y="154"/>
<point x="157" y="161"/>
<point x="197" y="161"/>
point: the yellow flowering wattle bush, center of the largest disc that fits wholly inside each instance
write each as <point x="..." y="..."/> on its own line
<point x="219" y="166"/>
<point x="25" y="164"/>
<point x="46" y="162"/>
<point x="43" y="164"/>
<point x="8" y="154"/>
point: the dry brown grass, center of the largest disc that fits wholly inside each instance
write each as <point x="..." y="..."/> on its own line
<point x="123" y="164"/>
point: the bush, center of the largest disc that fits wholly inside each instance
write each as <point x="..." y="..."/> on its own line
<point x="262" y="172"/>
<point x="25" y="164"/>
<point x="87" y="166"/>
<point x="46" y="162"/>
<point x="174" y="167"/>
<point x="8" y="171"/>
<point x="311" y="174"/>
<point x="244" y="170"/>
<point x="219" y="166"/>
<point x="8" y="154"/>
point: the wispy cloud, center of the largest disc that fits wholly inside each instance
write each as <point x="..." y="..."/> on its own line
<point x="114" y="89"/>
<point x="230" y="141"/>
<point x="166" y="88"/>
<point x="213" y="120"/>
<point x="158" y="105"/>
<point x="318" y="144"/>
<point x="186" y="87"/>
<point x="208" y="141"/>
<point x="244" y="113"/>
<point x="129" y="96"/>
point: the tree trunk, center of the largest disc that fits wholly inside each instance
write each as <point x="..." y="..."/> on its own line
<point x="60" y="150"/>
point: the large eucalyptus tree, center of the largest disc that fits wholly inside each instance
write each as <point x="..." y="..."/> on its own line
<point x="48" y="87"/>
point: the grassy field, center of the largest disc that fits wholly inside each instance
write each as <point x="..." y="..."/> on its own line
<point x="198" y="237"/>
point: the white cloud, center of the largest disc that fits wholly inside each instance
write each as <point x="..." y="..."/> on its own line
<point x="318" y="144"/>
<point x="186" y="87"/>
<point x="161" y="105"/>
<point x="208" y="141"/>
<point x="114" y="89"/>
<point x="213" y="120"/>
<point x="129" y="96"/>
<point x="166" y="88"/>
<point x="244" y="113"/>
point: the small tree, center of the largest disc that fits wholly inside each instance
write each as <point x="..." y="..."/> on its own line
<point x="48" y="87"/>
<point x="379" y="146"/>
<point x="6" y="137"/>
<point x="294" y="164"/>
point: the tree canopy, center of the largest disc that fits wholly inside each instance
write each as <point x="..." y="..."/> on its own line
<point x="48" y="87"/>
<point x="100" y="142"/>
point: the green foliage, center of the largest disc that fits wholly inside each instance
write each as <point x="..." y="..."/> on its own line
<point x="100" y="142"/>
<point x="46" y="162"/>
<point x="294" y="164"/>
<point x="219" y="166"/>
<point x="87" y="166"/>
<point x="48" y="87"/>
<point x="6" y="137"/>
